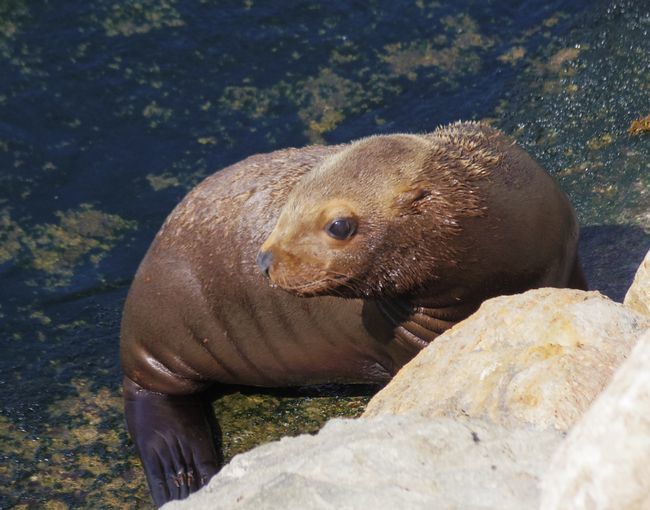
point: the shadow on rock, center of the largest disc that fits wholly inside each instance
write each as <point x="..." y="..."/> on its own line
<point x="610" y="256"/>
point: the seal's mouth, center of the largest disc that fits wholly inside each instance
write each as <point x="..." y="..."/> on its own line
<point x="330" y="285"/>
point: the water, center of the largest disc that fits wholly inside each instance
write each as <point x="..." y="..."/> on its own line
<point x="110" y="112"/>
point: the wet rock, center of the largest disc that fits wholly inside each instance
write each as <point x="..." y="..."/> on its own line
<point x="638" y="296"/>
<point x="603" y="463"/>
<point x="540" y="357"/>
<point x="385" y="463"/>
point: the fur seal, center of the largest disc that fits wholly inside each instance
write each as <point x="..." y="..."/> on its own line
<point x="393" y="239"/>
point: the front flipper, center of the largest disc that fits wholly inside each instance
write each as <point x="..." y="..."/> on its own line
<point x="174" y="439"/>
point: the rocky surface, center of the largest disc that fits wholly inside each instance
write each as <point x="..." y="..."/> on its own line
<point x="539" y="357"/>
<point x="638" y="296"/>
<point x="603" y="463"/>
<point x="386" y="462"/>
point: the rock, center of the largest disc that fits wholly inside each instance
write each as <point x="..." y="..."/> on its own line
<point x="604" y="462"/>
<point x="386" y="463"/>
<point x="638" y="296"/>
<point x="539" y="357"/>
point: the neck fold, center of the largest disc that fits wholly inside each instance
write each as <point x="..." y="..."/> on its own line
<point x="419" y="322"/>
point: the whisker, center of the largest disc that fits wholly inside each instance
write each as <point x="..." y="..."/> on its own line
<point x="337" y="282"/>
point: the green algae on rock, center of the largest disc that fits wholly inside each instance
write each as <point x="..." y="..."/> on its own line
<point x="78" y="456"/>
<point x="56" y="249"/>
<point x="249" y="419"/>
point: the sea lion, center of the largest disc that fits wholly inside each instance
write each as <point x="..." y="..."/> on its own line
<point x="393" y="239"/>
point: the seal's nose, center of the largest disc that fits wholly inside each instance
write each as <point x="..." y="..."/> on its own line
<point x="264" y="259"/>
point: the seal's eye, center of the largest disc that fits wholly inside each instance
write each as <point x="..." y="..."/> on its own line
<point x="341" y="228"/>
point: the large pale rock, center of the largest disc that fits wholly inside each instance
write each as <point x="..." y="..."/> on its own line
<point x="386" y="463"/>
<point x="604" y="464"/>
<point x="540" y="357"/>
<point x="638" y="296"/>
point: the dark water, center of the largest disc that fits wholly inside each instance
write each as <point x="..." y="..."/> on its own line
<point x="110" y="112"/>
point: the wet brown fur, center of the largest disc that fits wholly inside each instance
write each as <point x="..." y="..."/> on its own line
<point x="445" y="221"/>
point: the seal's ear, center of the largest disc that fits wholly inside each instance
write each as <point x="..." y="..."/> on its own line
<point x="411" y="201"/>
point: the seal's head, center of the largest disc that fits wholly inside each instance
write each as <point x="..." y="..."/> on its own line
<point x="374" y="220"/>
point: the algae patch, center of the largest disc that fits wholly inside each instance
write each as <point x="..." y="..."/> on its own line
<point x="248" y="420"/>
<point x="325" y="96"/>
<point x="247" y="99"/>
<point x="162" y="181"/>
<point x="141" y="17"/>
<point x="454" y="59"/>
<point x="176" y="177"/>
<point x="56" y="249"/>
<point x="12" y="14"/>
<point x="157" y="114"/>
<point x="80" y="455"/>
<point x="598" y="142"/>
<point x="10" y="236"/>
<point x="639" y="126"/>
<point x="514" y="55"/>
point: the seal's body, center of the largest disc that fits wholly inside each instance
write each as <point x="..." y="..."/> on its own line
<point x="200" y="307"/>
<point x="372" y="249"/>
